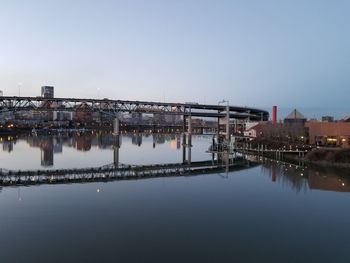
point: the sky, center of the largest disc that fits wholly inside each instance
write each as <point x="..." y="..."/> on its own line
<point x="294" y="54"/>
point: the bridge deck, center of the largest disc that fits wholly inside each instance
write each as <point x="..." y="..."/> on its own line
<point x="12" y="103"/>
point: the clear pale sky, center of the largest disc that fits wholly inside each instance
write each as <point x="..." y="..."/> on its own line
<point x="255" y="53"/>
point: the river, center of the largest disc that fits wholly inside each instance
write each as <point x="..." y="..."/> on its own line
<point x="268" y="212"/>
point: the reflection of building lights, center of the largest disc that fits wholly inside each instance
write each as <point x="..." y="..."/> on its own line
<point x="98" y="190"/>
<point x="331" y="139"/>
<point x="173" y="144"/>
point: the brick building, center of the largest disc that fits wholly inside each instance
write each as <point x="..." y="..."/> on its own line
<point x="329" y="133"/>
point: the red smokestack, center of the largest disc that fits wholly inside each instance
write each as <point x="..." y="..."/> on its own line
<point x="274" y="115"/>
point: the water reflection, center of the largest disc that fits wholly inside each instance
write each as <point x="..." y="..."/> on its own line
<point x="239" y="211"/>
<point x="304" y="178"/>
<point x="296" y="177"/>
<point x="51" y="145"/>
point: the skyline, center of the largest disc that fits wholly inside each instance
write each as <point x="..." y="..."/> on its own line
<point x="291" y="54"/>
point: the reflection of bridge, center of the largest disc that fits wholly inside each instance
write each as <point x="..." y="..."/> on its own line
<point x="115" y="106"/>
<point x="121" y="172"/>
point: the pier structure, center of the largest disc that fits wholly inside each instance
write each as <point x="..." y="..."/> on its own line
<point x="261" y="149"/>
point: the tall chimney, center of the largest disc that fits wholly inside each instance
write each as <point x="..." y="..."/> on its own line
<point x="274" y="115"/>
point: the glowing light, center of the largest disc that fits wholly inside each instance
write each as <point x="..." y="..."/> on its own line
<point x="98" y="190"/>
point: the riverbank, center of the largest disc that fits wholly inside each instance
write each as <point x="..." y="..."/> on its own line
<point x="326" y="157"/>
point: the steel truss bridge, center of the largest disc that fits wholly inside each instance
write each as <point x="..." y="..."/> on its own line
<point x="120" y="172"/>
<point x="14" y="104"/>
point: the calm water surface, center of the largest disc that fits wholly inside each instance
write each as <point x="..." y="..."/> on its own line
<point x="267" y="213"/>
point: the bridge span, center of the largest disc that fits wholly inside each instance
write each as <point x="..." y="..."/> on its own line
<point x="13" y="103"/>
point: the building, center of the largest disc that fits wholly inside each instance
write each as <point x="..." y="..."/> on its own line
<point x="158" y="118"/>
<point x="329" y="133"/>
<point x="83" y="114"/>
<point x="346" y="119"/>
<point x="136" y="118"/>
<point x="295" y="118"/>
<point x="4" y="114"/>
<point x="47" y="92"/>
<point x="62" y="116"/>
<point x="254" y="131"/>
<point x="327" y="119"/>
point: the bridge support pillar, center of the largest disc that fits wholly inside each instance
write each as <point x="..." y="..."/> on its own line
<point x="116" y="124"/>
<point x="218" y="130"/>
<point x="228" y="123"/>
<point x="183" y="147"/>
<point x="189" y="125"/>
<point x="184" y="124"/>
<point x="189" y="140"/>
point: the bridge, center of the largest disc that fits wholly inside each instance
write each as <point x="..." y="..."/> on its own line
<point x="114" y="107"/>
<point x="13" y="103"/>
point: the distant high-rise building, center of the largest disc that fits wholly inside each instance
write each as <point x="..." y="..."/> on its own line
<point x="327" y="118"/>
<point x="1" y="93"/>
<point x="47" y="92"/>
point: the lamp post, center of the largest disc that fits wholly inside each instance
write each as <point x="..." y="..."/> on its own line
<point x="19" y="89"/>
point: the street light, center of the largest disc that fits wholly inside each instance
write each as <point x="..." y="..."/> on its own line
<point x="98" y="93"/>
<point x="19" y="89"/>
